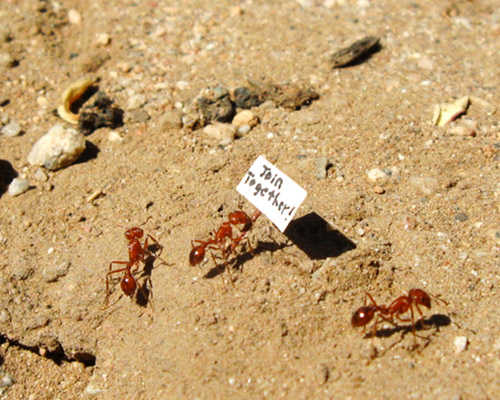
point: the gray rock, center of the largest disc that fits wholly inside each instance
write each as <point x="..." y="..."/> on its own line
<point x="53" y="272"/>
<point x="58" y="148"/>
<point x="18" y="186"/>
<point x="136" y="101"/>
<point x="6" y="60"/>
<point x="11" y="129"/>
<point x="7" y="380"/>
<point x="171" y="119"/>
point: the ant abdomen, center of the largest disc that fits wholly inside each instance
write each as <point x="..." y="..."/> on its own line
<point x="362" y="316"/>
<point x="128" y="285"/>
<point x="196" y="255"/>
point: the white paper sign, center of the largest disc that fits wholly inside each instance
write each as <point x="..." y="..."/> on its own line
<point x="272" y="192"/>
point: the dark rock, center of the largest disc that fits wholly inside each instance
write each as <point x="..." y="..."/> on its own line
<point x="245" y="98"/>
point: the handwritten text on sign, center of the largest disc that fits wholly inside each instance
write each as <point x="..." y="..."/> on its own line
<point x="272" y="192"/>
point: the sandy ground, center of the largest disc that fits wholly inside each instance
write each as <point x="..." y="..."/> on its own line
<point x="282" y="329"/>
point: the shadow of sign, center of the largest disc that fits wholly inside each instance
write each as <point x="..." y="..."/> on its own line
<point x="315" y="237"/>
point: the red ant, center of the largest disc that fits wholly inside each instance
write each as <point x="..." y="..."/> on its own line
<point x="416" y="298"/>
<point x="137" y="252"/>
<point x="225" y="231"/>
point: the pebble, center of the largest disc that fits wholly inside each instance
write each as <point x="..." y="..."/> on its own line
<point x="245" y="98"/>
<point x="54" y="272"/>
<point x="124" y="66"/>
<point x="378" y="175"/>
<point x="461" y="217"/>
<point x="92" y="390"/>
<point x="103" y="39"/>
<point x="136" y="101"/>
<point x="4" y="316"/>
<point x="7" y="380"/>
<point x="58" y="148"/>
<point x="235" y="11"/>
<point x="379" y="190"/>
<point x="182" y="85"/>
<point x="425" y="184"/>
<point x="18" y="186"/>
<point x="242" y="130"/>
<point x="6" y="60"/>
<point x="460" y="343"/>
<point x="74" y="17"/>
<point x="11" y="129"/>
<point x="220" y="131"/>
<point x="42" y="101"/>
<point x="321" y="164"/>
<point x="245" y="117"/>
<point x="170" y="119"/>
<point x="138" y="116"/>
<point x="4" y="34"/>
<point x="40" y="175"/>
<point x="114" y="136"/>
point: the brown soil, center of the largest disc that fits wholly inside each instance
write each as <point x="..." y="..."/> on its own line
<point x="282" y="330"/>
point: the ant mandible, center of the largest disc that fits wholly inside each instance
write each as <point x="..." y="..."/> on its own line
<point x="137" y="253"/>
<point x="395" y="311"/>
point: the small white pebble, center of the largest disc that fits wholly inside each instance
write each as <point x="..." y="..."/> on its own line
<point x="92" y="390"/>
<point x="40" y="175"/>
<point x="103" y="39"/>
<point x="231" y="381"/>
<point x="114" y="136"/>
<point x="50" y="250"/>
<point x="11" y="129"/>
<point x="242" y="130"/>
<point x="42" y="101"/>
<point x="460" y="343"/>
<point x="74" y="17"/>
<point x="377" y="175"/>
<point x="182" y="85"/>
<point x="235" y="11"/>
<point x="7" y="380"/>
<point x="18" y="186"/>
<point x="270" y="135"/>
<point x="124" y="66"/>
<point x="136" y="101"/>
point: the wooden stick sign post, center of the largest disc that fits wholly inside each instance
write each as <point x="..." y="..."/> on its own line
<point x="272" y="192"/>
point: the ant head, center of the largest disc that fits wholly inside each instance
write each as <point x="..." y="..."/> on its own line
<point x="197" y="255"/>
<point x="238" y="217"/>
<point x="362" y="316"/>
<point x="420" y="297"/>
<point x="128" y="285"/>
<point x="134" y="233"/>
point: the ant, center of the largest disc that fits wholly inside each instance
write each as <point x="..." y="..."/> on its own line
<point x="224" y="233"/>
<point x="395" y="311"/>
<point x="197" y="254"/>
<point x="137" y="253"/>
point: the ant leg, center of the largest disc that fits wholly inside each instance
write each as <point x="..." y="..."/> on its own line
<point x="371" y="298"/>
<point x="146" y="246"/>
<point x="110" y="272"/>
<point x="217" y="265"/>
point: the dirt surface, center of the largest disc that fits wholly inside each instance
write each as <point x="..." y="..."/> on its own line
<point x="393" y="202"/>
